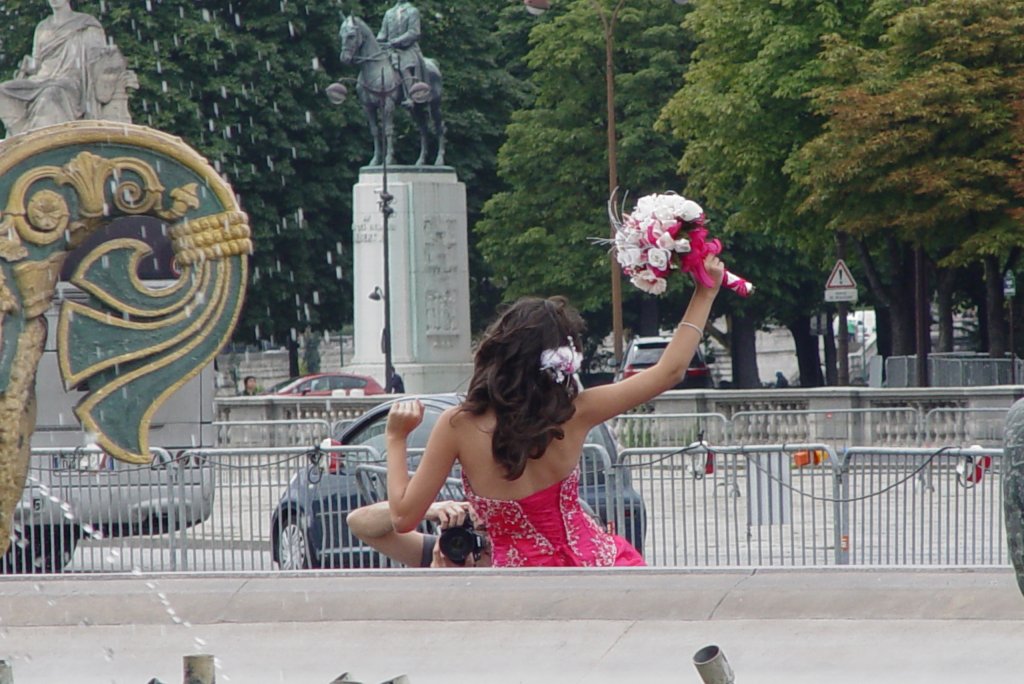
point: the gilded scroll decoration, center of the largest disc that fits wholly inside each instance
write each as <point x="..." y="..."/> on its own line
<point x="48" y="211"/>
<point x="136" y="189"/>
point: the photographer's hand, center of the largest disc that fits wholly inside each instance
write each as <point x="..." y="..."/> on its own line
<point x="448" y="513"/>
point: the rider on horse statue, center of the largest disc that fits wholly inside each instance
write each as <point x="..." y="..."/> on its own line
<point x="400" y="35"/>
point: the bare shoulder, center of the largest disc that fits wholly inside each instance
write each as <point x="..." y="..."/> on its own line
<point x="453" y="417"/>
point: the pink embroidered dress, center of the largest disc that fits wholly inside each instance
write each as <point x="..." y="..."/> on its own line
<point x="549" y="528"/>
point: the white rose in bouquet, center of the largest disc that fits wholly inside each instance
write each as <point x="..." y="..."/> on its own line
<point x="649" y="282"/>
<point x="689" y="210"/>
<point x="652" y="226"/>
<point x="629" y="256"/>
<point x="666" y="241"/>
<point x="645" y="206"/>
<point x="659" y="258"/>
<point x="674" y="204"/>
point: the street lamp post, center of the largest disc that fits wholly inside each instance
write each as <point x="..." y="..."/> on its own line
<point x="608" y="22"/>
<point x="385" y="212"/>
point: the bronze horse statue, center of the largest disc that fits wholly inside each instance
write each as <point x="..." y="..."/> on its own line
<point x="379" y="88"/>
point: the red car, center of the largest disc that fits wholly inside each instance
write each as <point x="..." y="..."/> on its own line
<point x="326" y="384"/>
<point x="644" y="352"/>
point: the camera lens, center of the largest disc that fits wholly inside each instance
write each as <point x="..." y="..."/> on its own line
<point x="459" y="543"/>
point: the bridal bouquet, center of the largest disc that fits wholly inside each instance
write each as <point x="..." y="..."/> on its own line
<point x="666" y="232"/>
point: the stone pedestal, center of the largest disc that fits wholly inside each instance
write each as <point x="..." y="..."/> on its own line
<point x="429" y="264"/>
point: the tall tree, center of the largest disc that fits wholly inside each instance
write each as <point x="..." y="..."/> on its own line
<point x="536" y="234"/>
<point x="919" y="146"/>
<point x="741" y="114"/>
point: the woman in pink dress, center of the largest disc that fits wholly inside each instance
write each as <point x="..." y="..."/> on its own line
<point x="519" y="434"/>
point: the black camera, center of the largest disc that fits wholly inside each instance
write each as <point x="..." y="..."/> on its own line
<point x="459" y="543"/>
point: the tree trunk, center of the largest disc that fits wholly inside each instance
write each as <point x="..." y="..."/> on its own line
<point x="807" y="358"/>
<point x="995" y="325"/>
<point x="883" y="328"/>
<point x="649" y="317"/>
<point x="293" y="358"/>
<point x="897" y="298"/>
<point x="743" y="352"/>
<point x="946" y="282"/>
<point x="831" y="370"/>
<point x="902" y="318"/>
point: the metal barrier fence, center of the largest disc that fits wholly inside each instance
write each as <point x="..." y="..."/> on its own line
<point x="202" y="510"/>
<point x="956" y="369"/>
<point x="784" y="504"/>
<point x="805" y="504"/>
<point x="891" y="426"/>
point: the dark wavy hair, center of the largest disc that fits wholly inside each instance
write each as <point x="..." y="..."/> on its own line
<point x="529" y="403"/>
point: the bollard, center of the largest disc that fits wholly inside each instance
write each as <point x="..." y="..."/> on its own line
<point x="199" y="669"/>
<point x="712" y="666"/>
<point x="6" y="673"/>
<point x="1013" y="488"/>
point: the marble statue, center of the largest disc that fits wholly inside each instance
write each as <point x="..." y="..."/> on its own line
<point x="72" y="74"/>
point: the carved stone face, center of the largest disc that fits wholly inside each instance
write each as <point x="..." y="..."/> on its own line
<point x="59" y="4"/>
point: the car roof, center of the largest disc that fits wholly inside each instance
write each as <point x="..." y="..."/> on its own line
<point x="313" y="376"/>
<point x="651" y="340"/>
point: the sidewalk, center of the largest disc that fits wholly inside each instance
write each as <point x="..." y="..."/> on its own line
<point x="793" y="626"/>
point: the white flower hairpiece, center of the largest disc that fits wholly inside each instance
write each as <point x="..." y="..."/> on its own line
<point x="562" y="362"/>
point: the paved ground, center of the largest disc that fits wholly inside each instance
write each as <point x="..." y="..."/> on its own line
<point x="794" y="626"/>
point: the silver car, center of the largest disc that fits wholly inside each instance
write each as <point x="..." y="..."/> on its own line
<point x="71" y="494"/>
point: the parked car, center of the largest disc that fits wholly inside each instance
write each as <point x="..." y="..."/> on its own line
<point x="308" y="525"/>
<point x="644" y="352"/>
<point x="326" y="384"/>
<point x="71" y="494"/>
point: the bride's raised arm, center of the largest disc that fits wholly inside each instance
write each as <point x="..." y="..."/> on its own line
<point x="410" y="497"/>
<point x="598" y="404"/>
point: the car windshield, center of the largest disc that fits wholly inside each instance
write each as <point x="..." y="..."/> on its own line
<point x="278" y="386"/>
<point x="647" y="356"/>
<point x="371" y="434"/>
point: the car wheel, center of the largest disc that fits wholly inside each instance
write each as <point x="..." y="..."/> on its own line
<point x="293" y="545"/>
<point x="41" y="550"/>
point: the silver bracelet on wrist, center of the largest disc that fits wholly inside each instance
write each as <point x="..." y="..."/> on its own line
<point x="694" y="326"/>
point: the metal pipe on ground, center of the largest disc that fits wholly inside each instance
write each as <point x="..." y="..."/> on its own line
<point x="712" y="666"/>
<point x="200" y="669"/>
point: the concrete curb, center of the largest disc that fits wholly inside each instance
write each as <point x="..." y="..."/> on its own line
<point x="491" y="595"/>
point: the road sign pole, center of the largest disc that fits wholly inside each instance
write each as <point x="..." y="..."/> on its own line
<point x="1009" y="291"/>
<point x="1013" y="357"/>
<point x="843" y="344"/>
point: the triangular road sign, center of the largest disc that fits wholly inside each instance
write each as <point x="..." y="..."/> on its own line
<point x="841" y="278"/>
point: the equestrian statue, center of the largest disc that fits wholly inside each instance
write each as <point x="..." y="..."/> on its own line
<point x="393" y="73"/>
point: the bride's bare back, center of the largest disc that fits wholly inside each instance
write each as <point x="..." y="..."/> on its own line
<point x="523" y="423"/>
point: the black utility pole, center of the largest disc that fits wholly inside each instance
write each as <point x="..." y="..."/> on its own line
<point x="386" y="211"/>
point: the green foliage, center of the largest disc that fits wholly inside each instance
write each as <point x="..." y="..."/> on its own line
<point x="920" y="138"/>
<point x="536" y="235"/>
<point x="742" y="113"/>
